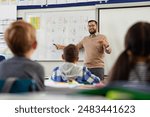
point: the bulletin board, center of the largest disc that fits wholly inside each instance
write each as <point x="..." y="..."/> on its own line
<point x="8" y="14"/>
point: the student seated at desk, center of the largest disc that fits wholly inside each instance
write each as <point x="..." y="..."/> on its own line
<point x="21" y="39"/>
<point x="71" y="71"/>
<point x="134" y="62"/>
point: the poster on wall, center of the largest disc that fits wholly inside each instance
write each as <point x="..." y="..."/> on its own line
<point x="8" y="15"/>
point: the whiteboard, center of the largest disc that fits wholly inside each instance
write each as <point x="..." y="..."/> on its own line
<point x="8" y="14"/>
<point x="60" y="27"/>
<point x="114" y="23"/>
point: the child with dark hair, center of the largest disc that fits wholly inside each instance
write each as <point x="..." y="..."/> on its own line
<point x="71" y="71"/>
<point x="21" y="39"/>
<point x="134" y="62"/>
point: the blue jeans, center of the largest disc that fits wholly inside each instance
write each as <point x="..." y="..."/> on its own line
<point x="97" y="72"/>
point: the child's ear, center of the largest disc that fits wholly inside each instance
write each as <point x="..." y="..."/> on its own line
<point x="34" y="45"/>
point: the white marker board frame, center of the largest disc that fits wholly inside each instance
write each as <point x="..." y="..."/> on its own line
<point x="54" y="30"/>
<point x="114" y="21"/>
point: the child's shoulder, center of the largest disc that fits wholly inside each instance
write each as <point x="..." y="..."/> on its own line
<point x="56" y="68"/>
<point x="84" y="68"/>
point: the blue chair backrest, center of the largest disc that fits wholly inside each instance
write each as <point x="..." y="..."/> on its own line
<point x="17" y="85"/>
<point x="2" y="58"/>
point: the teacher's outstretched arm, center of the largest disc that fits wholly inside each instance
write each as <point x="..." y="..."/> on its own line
<point x="59" y="46"/>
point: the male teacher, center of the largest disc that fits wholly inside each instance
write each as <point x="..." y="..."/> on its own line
<point x="95" y="45"/>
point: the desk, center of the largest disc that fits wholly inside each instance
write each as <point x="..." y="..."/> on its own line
<point x="51" y="94"/>
<point x="73" y="85"/>
<point x="55" y="91"/>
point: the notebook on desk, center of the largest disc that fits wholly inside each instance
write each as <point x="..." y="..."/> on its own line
<point x="73" y="84"/>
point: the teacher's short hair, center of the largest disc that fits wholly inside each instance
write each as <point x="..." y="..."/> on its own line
<point x="92" y="21"/>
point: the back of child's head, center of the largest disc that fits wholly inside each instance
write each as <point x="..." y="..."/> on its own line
<point x="71" y="53"/>
<point x="137" y="39"/>
<point x="137" y="45"/>
<point x="20" y="37"/>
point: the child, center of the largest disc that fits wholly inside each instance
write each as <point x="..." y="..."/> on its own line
<point x="134" y="62"/>
<point x="70" y="71"/>
<point x="21" y="39"/>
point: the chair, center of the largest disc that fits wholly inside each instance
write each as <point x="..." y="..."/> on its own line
<point x="15" y="85"/>
<point x="2" y="58"/>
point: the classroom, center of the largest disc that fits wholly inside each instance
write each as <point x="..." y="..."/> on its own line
<point x="66" y="22"/>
